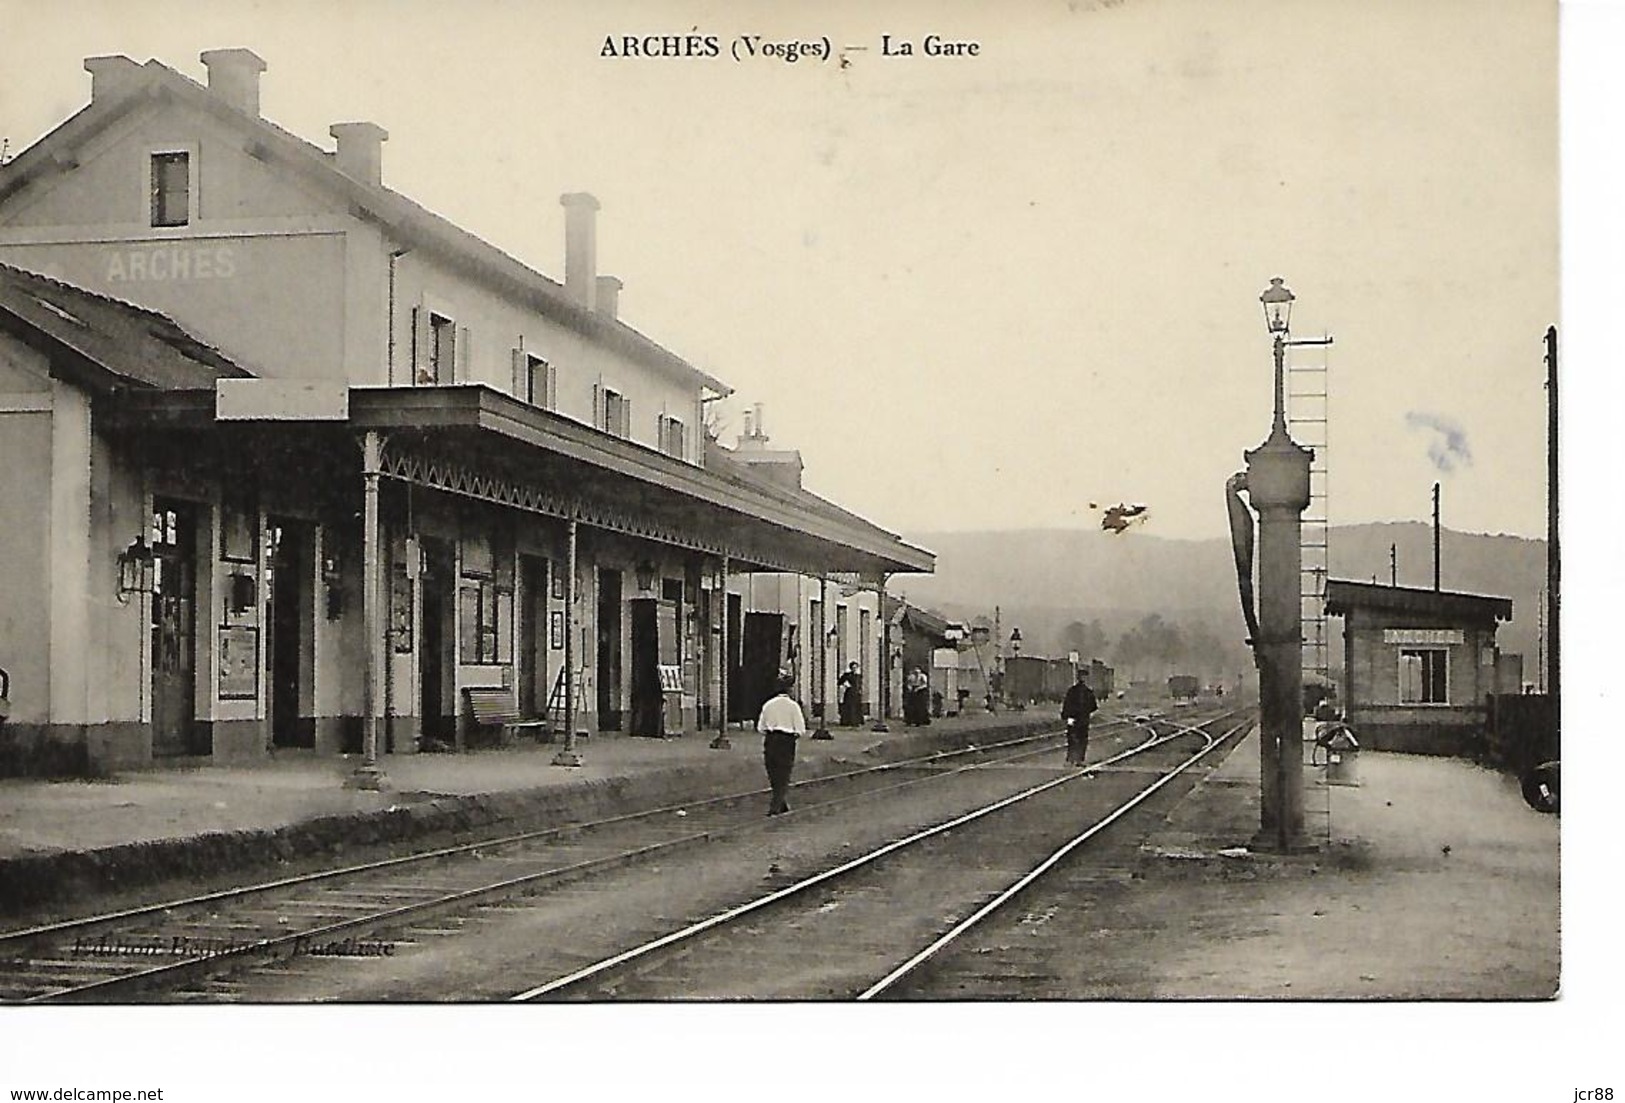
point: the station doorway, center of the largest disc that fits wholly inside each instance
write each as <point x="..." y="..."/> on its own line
<point x="289" y="583"/>
<point x="436" y="664"/>
<point x="609" y="650"/>
<point x="533" y="685"/>
<point x="762" y="647"/>
<point x="645" y="687"/>
<point x="656" y="643"/>
<point x="174" y="626"/>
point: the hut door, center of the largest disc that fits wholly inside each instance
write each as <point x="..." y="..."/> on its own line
<point x="174" y="626"/>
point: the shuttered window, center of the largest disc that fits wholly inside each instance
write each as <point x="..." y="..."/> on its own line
<point x="434" y="347"/>
<point x="534" y="380"/>
<point x="616" y="413"/>
<point x="673" y="439"/>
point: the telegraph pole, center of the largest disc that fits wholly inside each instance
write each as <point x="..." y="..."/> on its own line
<point x="1553" y="563"/>
<point x="1435" y="537"/>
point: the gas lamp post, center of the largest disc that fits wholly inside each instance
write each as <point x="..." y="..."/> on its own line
<point x="1277" y="481"/>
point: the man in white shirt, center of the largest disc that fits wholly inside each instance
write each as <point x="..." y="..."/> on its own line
<point x="781" y="723"/>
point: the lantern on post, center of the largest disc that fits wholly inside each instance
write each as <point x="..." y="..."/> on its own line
<point x="135" y="569"/>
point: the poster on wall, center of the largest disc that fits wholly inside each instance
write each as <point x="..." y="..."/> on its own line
<point x="239" y="663"/>
<point x="238" y="531"/>
<point x="400" y="609"/>
<point x="555" y="631"/>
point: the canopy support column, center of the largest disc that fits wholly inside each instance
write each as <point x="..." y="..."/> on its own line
<point x="369" y="775"/>
<point x="820" y="706"/>
<point x="568" y="754"/>
<point x="722" y="742"/>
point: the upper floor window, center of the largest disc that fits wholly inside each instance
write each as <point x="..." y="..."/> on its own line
<point x="673" y="437"/>
<point x="436" y="348"/>
<point x="1422" y="676"/>
<point x="616" y="413"/>
<point x="537" y="384"/>
<point x="171" y="189"/>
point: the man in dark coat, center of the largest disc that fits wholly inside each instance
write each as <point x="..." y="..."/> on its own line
<point x="1080" y="703"/>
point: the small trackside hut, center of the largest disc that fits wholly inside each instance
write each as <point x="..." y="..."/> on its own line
<point x="1418" y="665"/>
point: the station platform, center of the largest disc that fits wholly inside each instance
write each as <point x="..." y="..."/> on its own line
<point x="1429" y="879"/>
<point x="60" y="839"/>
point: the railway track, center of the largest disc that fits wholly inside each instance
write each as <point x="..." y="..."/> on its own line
<point x="814" y="937"/>
<point x="179" y="945"/>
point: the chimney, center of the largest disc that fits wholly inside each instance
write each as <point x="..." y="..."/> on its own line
<point x="580" y="247"/>
<point x="780" y="466"/>
<point x="609" y="295"/>
<point x="361" y="153"/>
<point x="109" y="74"/>
<point x="234" y="76"/>
<point x="752" y="439"/>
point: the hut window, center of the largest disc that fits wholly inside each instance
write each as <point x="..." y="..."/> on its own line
<point x="1422" y="676"/>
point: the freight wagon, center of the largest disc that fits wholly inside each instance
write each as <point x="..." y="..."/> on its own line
<point x="1183" y="687"/>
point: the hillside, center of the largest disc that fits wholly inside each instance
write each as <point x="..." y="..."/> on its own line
<point x="1044" y="578"/>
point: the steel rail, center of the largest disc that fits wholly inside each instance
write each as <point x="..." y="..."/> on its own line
<point x="24" y="935"/>
<point x="278" y="945"/>
<point x="730" y="915"/>
<point x="1032" y="875"/>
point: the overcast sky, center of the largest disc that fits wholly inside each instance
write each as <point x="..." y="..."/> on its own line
<point x="985" y="292"/>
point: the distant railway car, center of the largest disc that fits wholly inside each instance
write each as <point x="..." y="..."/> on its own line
<point x="1102" y="679"/>
<point x="1023" y="678"/>
<point x="1183" y="687"/>
<point x="1059" y="674"/>
<point x="1032" y="678"/>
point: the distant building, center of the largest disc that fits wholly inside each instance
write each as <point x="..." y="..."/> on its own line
<point x="1418" y="664"/>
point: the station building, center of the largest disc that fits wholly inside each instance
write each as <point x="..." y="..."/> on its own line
<point x="1419" y="666"/>
<point x="286" y="458"/>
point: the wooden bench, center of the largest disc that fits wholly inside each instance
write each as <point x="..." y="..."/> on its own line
<point x="496" y="708"/>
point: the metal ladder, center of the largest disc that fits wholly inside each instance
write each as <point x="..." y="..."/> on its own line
<point x="1308" y="403"/>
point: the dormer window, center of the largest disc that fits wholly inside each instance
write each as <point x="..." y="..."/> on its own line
<point x="171" y="181"/>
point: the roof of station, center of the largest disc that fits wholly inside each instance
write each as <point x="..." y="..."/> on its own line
<point x="103" y="343"/>
<point x="406" y="222"/>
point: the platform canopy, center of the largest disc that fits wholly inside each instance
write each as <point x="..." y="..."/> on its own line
<point x="476" y="442"/>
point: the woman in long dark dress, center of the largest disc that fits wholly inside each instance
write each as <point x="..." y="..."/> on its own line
<point x="917" y="698"/>
<point x="849" y="688"/>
